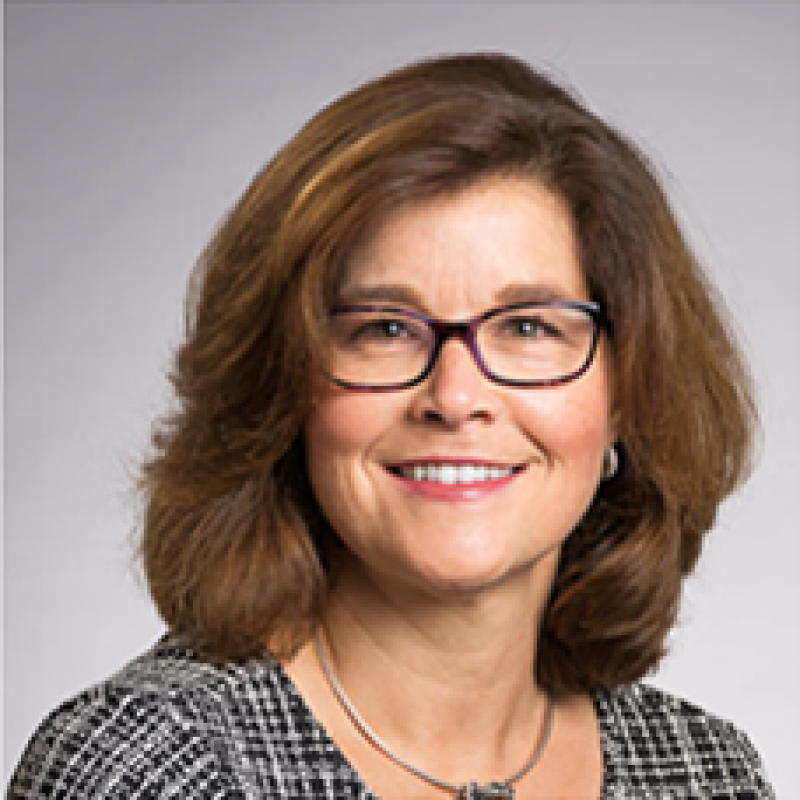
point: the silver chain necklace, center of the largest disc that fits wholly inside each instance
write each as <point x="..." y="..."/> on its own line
<point x="502" y="790"/>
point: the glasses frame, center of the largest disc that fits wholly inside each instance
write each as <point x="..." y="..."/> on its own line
<point x="466" y="331"/>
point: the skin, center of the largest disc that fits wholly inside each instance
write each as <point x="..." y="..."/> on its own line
<point x="431" y="625"/>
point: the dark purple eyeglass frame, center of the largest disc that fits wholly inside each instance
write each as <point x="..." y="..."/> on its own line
<point x="467" y="332"/>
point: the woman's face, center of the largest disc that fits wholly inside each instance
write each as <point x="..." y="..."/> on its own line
<point x="453" y="259"/>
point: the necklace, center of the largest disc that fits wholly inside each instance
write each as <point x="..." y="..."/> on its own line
<point x="502" y="790"/>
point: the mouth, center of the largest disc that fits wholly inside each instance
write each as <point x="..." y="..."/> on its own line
<point x="448" y="473"/>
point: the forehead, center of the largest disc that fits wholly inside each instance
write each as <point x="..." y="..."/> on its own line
<point x="468" y="248"/>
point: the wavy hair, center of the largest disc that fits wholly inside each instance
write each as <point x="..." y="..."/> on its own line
<point x="234" y="546"/>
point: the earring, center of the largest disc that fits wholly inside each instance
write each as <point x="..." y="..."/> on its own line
<point x="610" y="463"/>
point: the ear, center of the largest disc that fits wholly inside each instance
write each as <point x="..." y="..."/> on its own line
<point x="613" y="433"/>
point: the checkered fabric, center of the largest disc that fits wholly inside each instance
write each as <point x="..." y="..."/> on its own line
<point x="170" y="725"/>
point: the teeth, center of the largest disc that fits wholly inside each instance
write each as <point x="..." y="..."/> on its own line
<point x="454" y="473"/>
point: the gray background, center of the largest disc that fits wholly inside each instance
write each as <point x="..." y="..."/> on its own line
<point x="131" y="127"/>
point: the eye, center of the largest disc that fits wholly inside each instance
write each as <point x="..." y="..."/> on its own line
<point x="377" y="329"/>
<point x="530" y="327"/>
<point x="371" y="329"/>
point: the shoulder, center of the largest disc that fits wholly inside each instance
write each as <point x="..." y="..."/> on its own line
<point x="658" y="743"/>
<point x="170" y="723"/>
<point x="134" y="735"/>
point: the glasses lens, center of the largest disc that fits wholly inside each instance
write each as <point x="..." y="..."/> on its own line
<point x="378" y="346"/>
<point x="537" y="342"/>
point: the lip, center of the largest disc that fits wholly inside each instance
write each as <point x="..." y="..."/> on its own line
<point x="477" y="490"/>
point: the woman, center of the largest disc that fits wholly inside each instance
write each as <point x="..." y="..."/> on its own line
<point x="457" y="408"/>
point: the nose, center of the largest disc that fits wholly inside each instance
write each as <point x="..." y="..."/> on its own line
<point x="456" y="390"/>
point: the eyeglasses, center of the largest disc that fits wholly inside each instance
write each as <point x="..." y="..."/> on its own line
<point x="383" y="348"/>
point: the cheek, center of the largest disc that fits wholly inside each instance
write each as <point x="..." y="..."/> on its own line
<point x="570" y="423"/>
<point x="344" y="426"/>
<point x="341" y="433"/>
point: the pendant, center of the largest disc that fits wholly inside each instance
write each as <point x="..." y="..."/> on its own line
<point x="473" y="791"/>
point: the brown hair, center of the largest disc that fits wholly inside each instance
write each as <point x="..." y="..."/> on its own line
<point x="234" y="545"/>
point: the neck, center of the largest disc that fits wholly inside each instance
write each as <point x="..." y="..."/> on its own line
<point x="448" y="678"/>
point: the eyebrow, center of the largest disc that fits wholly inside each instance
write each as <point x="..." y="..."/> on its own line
<point x="405" y="295"/>
<point x="534" y="293"/>
<point x="384" y="293"/>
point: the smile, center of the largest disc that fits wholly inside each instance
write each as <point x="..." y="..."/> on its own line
<point x="453" y="474"/>
<point x="454" y="481"/>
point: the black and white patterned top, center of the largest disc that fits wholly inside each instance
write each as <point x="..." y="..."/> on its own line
<point x="170" y="725"/>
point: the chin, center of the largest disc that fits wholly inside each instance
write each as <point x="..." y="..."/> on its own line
<point x="449" y="576"/>
<point x="464" y="574"/>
